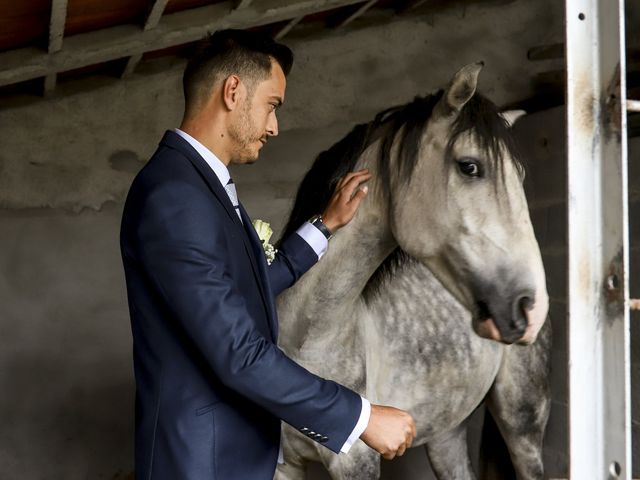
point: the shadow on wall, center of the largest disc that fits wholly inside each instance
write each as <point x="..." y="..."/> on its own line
<point x="66" y="419"/>
<point x="126" y="161"/>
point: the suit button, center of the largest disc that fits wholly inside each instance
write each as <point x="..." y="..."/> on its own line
<point x="311" y="434"/>
<point x="324" y="439"/>
<point x="304" y="429"/>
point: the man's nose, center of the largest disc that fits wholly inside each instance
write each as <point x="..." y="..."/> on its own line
<point x="272" y="126"/>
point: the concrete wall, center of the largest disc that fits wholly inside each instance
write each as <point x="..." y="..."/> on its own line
<point x="66" y="402"/>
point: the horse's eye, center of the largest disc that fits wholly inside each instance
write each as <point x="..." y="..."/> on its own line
<point x="469" y="168"/>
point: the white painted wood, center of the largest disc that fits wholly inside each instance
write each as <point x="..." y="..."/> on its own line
<point x="599" y="370"/>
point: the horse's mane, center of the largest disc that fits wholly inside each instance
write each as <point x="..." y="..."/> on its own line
<point x="479" y="116"/>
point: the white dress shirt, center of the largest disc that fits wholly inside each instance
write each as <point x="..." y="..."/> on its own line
<point x="316" y="240"/>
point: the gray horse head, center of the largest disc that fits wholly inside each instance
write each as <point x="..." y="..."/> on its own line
<point x="448" y="191"/>
<point x="463" y="213"/>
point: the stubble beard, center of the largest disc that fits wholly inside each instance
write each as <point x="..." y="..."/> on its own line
<point x="245" y="135"/>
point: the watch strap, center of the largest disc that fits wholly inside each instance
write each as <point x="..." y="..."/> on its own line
<point x="317" y="222"/>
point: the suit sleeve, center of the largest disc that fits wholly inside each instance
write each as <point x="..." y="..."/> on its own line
<point x="296" y="255"/>
<point x="184" y="257"/>
<point x="294" y="258"/>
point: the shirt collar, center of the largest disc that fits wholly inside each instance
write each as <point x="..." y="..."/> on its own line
<point x="219" y="168"/>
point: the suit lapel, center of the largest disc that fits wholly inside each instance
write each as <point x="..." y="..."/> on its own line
<point x="173" y="140"/>
<point x="261" y="261"/>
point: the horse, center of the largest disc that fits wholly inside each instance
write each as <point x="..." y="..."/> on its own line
<point x="433" y="298"/>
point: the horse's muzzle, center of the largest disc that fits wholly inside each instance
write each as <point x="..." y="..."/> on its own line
<point x="506" y="322"/>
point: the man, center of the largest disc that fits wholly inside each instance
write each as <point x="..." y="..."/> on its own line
<point x="212" y="385"/>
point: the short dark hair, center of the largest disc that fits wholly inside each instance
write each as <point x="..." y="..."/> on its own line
<point x="227" y="52"/>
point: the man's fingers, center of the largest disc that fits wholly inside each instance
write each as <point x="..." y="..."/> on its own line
<point x="358" y="196"/>
<point x="409" y="440"/>
<point x="350" y="176"/>
<point x="350" y="187"/>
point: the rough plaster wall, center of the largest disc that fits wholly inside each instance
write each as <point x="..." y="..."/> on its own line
<point x="77" y="151"/>
<point x="65" y="367"/>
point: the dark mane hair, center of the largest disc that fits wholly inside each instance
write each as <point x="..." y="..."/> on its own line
<point x="479" y="116"/>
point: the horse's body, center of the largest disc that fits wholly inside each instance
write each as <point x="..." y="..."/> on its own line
<point x="381" y="323"/>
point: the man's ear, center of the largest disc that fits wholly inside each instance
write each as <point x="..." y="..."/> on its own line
<point x="231" y="90"/>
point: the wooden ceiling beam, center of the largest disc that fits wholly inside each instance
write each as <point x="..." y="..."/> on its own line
<point x="56" y="24"/>
<point x="131" y="65"/>
<point x="411" y="4"/>
<point x="50" y="82"/>
<point x="288" y="27"/>
<point x="241" y="4"/>
<point x="153" y="19"/>
<point x="127" y="40"/>
<point x="155" y="14"/>
<point x="366" y="6"/>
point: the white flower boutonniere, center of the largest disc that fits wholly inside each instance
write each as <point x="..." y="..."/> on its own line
<point x="264" y="231"/>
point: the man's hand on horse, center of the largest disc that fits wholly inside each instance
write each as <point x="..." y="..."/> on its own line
<point x="345" y="199"/>
<point x="390" y="431"/>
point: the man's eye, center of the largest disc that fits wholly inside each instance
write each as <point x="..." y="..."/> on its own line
<point x="470" y="168"/>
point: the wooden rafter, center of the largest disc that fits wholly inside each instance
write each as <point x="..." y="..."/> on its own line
<point x="131" y="65"/>
<point x="56" y="25"/>
<point x="50" y="82"/>
<point x="411" y="4"/>
<point x="152" y="22"/>
<point x="155" y="14"/>
<point x="56" y="34"/>
<point x="240" y="4"/>
<point x="357" y="13"/>
<point x="288" y="27"/>
<point x="128" y="40"/>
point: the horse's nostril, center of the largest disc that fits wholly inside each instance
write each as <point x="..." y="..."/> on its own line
<point x="483" y="310"/>
<point x="521" y="305"/>
<point x="526" y="303"/>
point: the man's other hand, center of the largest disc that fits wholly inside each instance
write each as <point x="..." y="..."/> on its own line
<point x="345" y="200"/>
<point x="390" y="431"/>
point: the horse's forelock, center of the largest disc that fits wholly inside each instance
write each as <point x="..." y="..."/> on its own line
<point x="482" y="118"/>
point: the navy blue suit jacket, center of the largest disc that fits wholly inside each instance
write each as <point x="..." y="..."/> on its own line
<point x="211" y="383"/>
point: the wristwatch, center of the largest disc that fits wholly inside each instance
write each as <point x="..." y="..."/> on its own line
<point x="317" y="222"/>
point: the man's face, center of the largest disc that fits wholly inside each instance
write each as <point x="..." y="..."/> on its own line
<point x="256" y="119"/>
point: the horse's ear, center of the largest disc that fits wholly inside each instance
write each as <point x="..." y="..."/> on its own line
<point x="463" y="86"/>
<point x="512" y="116"/>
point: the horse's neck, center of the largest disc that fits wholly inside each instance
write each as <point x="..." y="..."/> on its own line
<point x="326" y="299"/>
